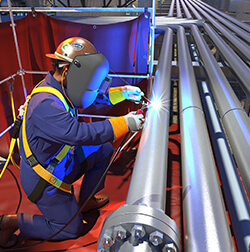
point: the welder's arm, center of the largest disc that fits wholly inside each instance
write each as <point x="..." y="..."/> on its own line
<point x="119" y="94"/>
<point x="124" y="124"/>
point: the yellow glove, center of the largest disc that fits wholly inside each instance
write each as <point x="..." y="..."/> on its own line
<point x="119" y="94"/>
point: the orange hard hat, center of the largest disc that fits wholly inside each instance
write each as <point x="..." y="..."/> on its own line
<point x="72" y="47"/>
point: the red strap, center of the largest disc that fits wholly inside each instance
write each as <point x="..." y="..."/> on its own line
<point x="135" y="44"/>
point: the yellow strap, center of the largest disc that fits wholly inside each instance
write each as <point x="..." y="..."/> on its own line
<point x="62" y="152"/>
<point x="12" y="145"/>
<point x="52" y="91"/>
<point x="12" y="106"/>
<point x="119" y="126"/>
<point x="55" y="92"/>
<point x="38" y="168"/>
<point x="115" y="95"/>
<point x="52" y="179"/>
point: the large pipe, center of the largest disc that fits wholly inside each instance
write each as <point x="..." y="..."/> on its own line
<point x="151" y="166"/>
<point x="206" y="225"/>
<point x="237" y="42"/>
<point x="232" y="19"/>
<point x="242" y="33"/>
<point x="143" y="216"/>
<point x="235" y="62"/>
<point x="234" y="118"/>
<point x="236" y="199"/>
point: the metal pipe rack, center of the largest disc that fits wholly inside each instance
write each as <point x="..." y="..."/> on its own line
<point x="142" y="224"/>
<point x="235" y="62"/>
<point x="231" y="37"/>
<point x="230" y="18"/>
<point x="235" y="120"/>
<point x="206" y="221"/>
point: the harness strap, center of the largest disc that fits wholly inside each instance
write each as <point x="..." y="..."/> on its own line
<point x="34" y="163"/>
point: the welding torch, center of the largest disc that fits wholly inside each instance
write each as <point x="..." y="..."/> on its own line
<point x="139" y="111"/>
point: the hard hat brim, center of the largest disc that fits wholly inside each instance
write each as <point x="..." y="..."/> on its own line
<point x="53" y="56"/>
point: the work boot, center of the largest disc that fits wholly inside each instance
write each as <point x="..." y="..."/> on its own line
<point x="8" y="226"/>
<point x="96" y="202"/>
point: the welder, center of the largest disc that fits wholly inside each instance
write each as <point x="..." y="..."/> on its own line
<point x="57" y="149"/>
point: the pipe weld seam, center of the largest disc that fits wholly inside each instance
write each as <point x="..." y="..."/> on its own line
<point x="190" y="107"/>
<point x="240" y="109"/>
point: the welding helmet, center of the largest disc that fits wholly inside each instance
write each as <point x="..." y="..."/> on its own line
<point x="87" y="77"/>
<point x="70" y="48"/>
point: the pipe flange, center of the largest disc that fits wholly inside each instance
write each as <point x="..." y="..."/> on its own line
<point x="137" y="224"/>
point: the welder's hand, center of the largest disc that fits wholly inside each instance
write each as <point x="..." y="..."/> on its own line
<point x="132" y="93"/>
<point x="134" y="121"/>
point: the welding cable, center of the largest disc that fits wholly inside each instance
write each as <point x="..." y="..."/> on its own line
<point x="19" y="190"/>
<point x="129" y="140"/>
<point x="18" y="187"/>
<point x="80" y="210"/>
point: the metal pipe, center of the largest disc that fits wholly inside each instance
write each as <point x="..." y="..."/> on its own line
<point x="96" y="116"/>
<point x="178" y="9"/>
<point x="171" y="9"/>
<point x="137" y="76"/>
<point x="198" y="16"/>
<point x="7" y="129"/>
<point x="8" y="78"/>
<point x="236" y="200"/>
<point x="70" y="10"/>
<point x="232" y="19"/>
<point x="237" y="42"/>
<point x="186" y="11"/>
<point x="242" y="33"/>
<point x="234" y="118"/>
<point x="17" y="48"/>
<point x="143" y="215"/>
<point x="235" y="62"/>
<point x="206" y="225"/>
<point x="35" y="72"/>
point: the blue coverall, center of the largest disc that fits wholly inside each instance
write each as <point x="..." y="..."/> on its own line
<point x="49" y="126"/>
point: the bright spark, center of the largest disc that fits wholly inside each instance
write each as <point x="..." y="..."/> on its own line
<point x="158" y="102"/>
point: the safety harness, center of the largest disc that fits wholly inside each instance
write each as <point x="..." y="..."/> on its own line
<point x="46" y="174"/>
